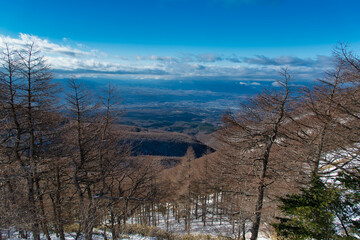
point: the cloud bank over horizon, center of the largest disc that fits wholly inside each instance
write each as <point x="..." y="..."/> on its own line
<point x="77" y="60"/>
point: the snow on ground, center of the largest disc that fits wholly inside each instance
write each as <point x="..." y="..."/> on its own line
<point x="215" y="224"/>
<point x="14" y="235"/>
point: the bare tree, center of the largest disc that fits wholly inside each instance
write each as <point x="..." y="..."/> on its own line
<point x="39" y="100"/>
<point x="82" y="141"/>
<point x="325" y="125"/>
<point x="184" y="186"/>
<point x="97" y="153"/>
<point x="28" y="97"/>
<point x="255" y="133"/>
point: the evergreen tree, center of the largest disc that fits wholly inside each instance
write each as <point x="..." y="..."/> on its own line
<point x="348" y="208"/>
<point x="309" y="214"/>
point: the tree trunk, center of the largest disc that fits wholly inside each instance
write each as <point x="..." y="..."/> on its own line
<point x="42" y="208"/>
<point x="33" y="213"/>
<point x="244" y="229"/>
<point x="112" y="223"/>
<point x="196" y="206"/>
<point x="259" y="202"/>
<point x="204" y="210"/>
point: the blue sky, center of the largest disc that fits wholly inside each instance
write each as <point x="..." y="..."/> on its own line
<point x="243" y="40"/>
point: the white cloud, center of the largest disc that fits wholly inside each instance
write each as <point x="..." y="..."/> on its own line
<point x="249" y="83"/>
<point x="276" y="84"/>
<point x="44" y="45"/>
<point x="70" y="58"/>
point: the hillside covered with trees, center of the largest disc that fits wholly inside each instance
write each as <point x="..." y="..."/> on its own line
<point x="286" y="163"/>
